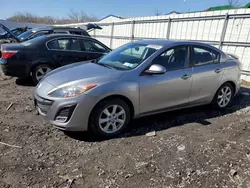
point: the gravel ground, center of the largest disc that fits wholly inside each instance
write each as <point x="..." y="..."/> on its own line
<point x="197" y="147"/>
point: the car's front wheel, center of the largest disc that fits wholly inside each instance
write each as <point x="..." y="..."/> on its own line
<point x="224" y="96"/>
<point x="110" y="117"/>
<point x="40" y="71"/>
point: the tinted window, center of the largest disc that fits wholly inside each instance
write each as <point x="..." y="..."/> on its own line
<point x="17" y="32"/>
<point x="25" y="35"/>
<point x="76" y="32"/>
<point x="69" y="44"/>
<point x="92" y="46"/>
<point x="38" y="34"/>
<point x="204" y="56"/>
<point x="173" y="59"/>
<point x="53" y="45"/>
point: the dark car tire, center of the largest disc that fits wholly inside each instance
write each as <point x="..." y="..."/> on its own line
<point x="38" y="71"/>
<point x="224" y="93"/>
<point x="98" y="113"/>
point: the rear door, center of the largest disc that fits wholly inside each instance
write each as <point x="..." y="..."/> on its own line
<point x="207" y="73"/>
<point x="66" y="50"/>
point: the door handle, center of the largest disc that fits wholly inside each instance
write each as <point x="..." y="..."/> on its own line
<point x="186" y="76"/>
<point x="217" y="70"/>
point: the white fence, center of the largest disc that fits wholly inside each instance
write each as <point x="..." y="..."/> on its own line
<point x="228" y="30"/>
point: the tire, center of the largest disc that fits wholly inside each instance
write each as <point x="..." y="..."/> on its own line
<point x="39" y="72"/>
<point x="223" y="96"/>
<point x="107" y="129"/>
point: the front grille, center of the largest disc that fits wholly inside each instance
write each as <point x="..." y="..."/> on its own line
<point x="43" y="104"/>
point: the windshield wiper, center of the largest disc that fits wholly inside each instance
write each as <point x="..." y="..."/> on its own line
<point x="105" y="65"/>
<point x="102" y="64"/>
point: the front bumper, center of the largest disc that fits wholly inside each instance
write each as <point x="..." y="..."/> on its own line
<point x="238" y="85"/>
<point x="78" y="113"/>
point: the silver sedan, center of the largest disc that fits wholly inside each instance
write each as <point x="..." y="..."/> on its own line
<point x="138" y="79"/>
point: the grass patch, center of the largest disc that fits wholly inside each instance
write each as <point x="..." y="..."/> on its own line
<point x="245" y="83"/>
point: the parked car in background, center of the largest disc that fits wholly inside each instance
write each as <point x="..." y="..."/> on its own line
<point x="50" y="30"/>
<point x="38" y="56"/>
<point x="138" y="79"/>
<point x="35" y="32"/>
<point x="15" y="31"/>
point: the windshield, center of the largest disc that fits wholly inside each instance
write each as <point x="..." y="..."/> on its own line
<point x="25" y="35"/>
<point x="128" y="56"/>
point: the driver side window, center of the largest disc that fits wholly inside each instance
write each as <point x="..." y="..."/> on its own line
<point x="173" y="58"/>
<point x="91" y="46"/>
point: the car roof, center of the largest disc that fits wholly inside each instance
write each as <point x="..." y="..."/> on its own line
<point x="165" y="42"/>
<point x="51" y="36"/>
<point x="57" y="28"/>
<point x="67" y="28"/>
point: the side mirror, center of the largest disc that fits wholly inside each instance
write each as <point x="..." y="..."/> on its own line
<point x="156" y="69"/>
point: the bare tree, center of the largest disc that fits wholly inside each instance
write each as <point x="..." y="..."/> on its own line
<point x="157" y="12"/>
<point x="80" y="16"/>
<point x="233" y="3"/>
<point x="73" y="17"/>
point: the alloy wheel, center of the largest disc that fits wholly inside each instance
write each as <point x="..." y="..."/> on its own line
<point x="224" y="96"/>
<point x="41" y="72"/>
<point x="112" y="119"/>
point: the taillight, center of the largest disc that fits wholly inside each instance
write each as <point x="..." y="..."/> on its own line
<point x="8" y="54"/>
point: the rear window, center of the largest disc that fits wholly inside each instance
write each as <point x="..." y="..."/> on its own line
<point x="53" y="45"/>
<point x="205" y="56"/>
<point x="33" y="41"/>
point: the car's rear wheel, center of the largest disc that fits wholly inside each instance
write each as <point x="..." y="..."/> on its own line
<point x="109" y="118"/>
<point x="223" y="96"/>
<point x="40" y="71"/>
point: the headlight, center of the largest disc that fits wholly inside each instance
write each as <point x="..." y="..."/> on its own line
<point x="70" y="91"/>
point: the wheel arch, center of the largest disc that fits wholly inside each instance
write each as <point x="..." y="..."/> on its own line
<point x="231" y="83"/>
<point x="116" y="96"/>
<point x="35" y="64"/>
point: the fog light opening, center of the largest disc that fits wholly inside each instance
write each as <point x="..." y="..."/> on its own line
<point x="64" y="114"/>
<point x="61" y="119"/>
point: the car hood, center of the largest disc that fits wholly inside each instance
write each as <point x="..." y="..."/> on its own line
<point x="84" y="72"/>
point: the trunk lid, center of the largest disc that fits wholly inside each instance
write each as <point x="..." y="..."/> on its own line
<point x="8" y="50"/>
<point x="11" y="47"/>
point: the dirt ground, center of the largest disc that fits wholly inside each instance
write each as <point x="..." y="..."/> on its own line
<point x="197" y="147"/>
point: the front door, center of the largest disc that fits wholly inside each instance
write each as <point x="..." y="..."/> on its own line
<point x="207" y="74"/>
<point x="169" y="90"/>
<point x="92" y="49"/>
